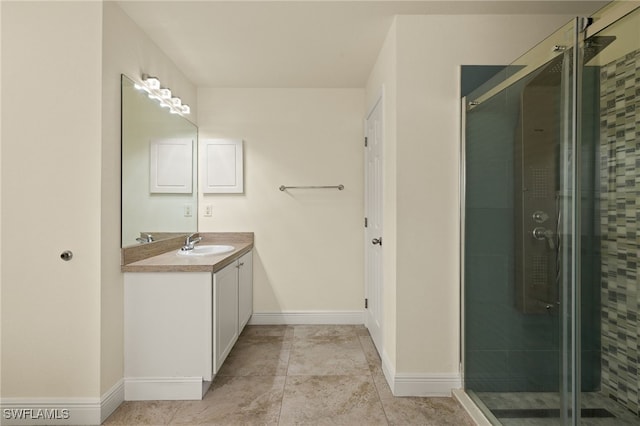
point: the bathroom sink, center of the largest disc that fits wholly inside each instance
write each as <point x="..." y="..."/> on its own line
<point x="206" y="250"/>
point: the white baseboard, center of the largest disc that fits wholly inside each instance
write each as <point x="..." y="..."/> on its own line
<point x="50" y="411"/>
<point x="307" y="317"/>
<point x="431" y="384"/>
<point x="61" y="411"/>
<point x="388" y="369"/>
<point x="162" y="388"/>
<point x="111" y="400"/>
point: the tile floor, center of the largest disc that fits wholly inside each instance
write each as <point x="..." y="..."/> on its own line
<point x="292" y="375"/>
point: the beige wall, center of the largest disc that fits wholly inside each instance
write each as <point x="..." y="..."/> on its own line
<point x="51" y="143"/>
<point x="429" y="51"/>
<point x="0" y="199"/>
<point x="126" y="50"/>
<point x="309" y="243"/>
<point x="62" y="328"/>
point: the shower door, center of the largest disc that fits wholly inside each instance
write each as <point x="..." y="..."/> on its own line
<point x="550" y="255"/>
<point x="519" y="210"/>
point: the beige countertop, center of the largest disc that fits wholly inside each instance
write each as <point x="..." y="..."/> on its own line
<point x="169" y="261"/>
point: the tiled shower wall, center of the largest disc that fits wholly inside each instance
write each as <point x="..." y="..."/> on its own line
<point x="620" y="194"/>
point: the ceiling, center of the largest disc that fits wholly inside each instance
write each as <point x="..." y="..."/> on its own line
<point x="296" y="44"/>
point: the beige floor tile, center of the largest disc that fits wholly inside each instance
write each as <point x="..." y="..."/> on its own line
<point x="371" y="354"/>
<point x="408" y="411"/>
<point x="334" y="376"/>
<point x="257" y="359"/>
<point x="235" y="401"/>
<point x="311" y="331"/>
<point x="284" y="331"/>
<point x="361" y="330"/>
<point x="143" y="413"/>
<point x="331" y="400"/>
<point x="336" y="355"/>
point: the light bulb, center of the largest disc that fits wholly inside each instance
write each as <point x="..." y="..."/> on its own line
<point x="165" y="93"/>
<point x="152" y="82"/>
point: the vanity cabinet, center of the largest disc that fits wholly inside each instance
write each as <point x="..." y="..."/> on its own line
<point x="167" y="335"/>
<point x="179" y="327"/>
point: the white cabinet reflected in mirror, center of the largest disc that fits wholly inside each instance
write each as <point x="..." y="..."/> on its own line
<point x="159" y="168"/>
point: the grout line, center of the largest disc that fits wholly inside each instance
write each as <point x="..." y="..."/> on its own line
<point x="286" y="372"/>
<point x="373" y="379"/>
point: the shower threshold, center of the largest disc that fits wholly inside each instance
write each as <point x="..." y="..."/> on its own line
<point x="541" y="409"/>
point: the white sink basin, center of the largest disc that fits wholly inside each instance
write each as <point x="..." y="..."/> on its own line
<point x="206" y="250"/>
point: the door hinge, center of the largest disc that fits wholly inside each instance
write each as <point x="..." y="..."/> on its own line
<point x="366" y="303"/>
<point x="366" y="222"/>
<point x="366" y="141"/>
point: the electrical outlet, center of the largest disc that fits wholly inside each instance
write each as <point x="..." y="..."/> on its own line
<point x="208" y="210"/>
<point x="187" y="210"/>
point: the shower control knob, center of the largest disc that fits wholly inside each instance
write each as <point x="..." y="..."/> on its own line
<point x="541" y="233"/>
<point x="539" y="216"/>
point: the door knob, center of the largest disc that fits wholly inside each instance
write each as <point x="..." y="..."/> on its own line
<point x="66" y="255"/>
<point x="377" y="241"/>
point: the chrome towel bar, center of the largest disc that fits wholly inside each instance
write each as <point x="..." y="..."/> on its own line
<point x="338" y="187"/>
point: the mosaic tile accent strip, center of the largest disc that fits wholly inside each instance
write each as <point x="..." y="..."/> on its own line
<point x="620" y="192"/>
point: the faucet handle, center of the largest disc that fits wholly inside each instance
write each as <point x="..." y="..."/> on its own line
<point x="145" y="238"/>
<point x="191" y="241"/>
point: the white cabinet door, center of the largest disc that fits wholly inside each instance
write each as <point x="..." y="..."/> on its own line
<point x="222" y="166"/>
<point x="245" y="288"/>
<point x="225" y="317"/>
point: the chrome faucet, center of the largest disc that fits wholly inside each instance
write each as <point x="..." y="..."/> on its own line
<point x="147" y="238"/>
<point x="191" y="242"/>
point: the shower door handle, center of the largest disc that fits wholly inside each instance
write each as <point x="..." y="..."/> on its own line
<point x="541" y="233"/>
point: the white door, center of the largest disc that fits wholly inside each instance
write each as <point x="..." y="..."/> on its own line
<point x="373" y="223"/>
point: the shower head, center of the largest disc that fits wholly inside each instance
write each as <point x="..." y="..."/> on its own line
<point x="550" y="73"/>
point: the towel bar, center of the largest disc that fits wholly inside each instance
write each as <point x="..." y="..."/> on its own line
<point x="338" y="187"/>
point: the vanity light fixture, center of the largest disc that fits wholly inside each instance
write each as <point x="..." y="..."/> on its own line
<point x="165" y="93"/>
<point x="154" y="90"/>
<point x="151" y="82"/>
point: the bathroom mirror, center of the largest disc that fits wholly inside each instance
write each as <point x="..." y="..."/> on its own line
<point x="159" y="168"/>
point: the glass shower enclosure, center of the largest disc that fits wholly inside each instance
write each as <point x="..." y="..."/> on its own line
<point x="550" y="188"/>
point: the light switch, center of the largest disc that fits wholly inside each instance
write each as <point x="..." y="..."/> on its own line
<point x="208" y="210"/>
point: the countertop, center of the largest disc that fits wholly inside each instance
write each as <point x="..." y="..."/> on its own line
<point x="169" y="261"/>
